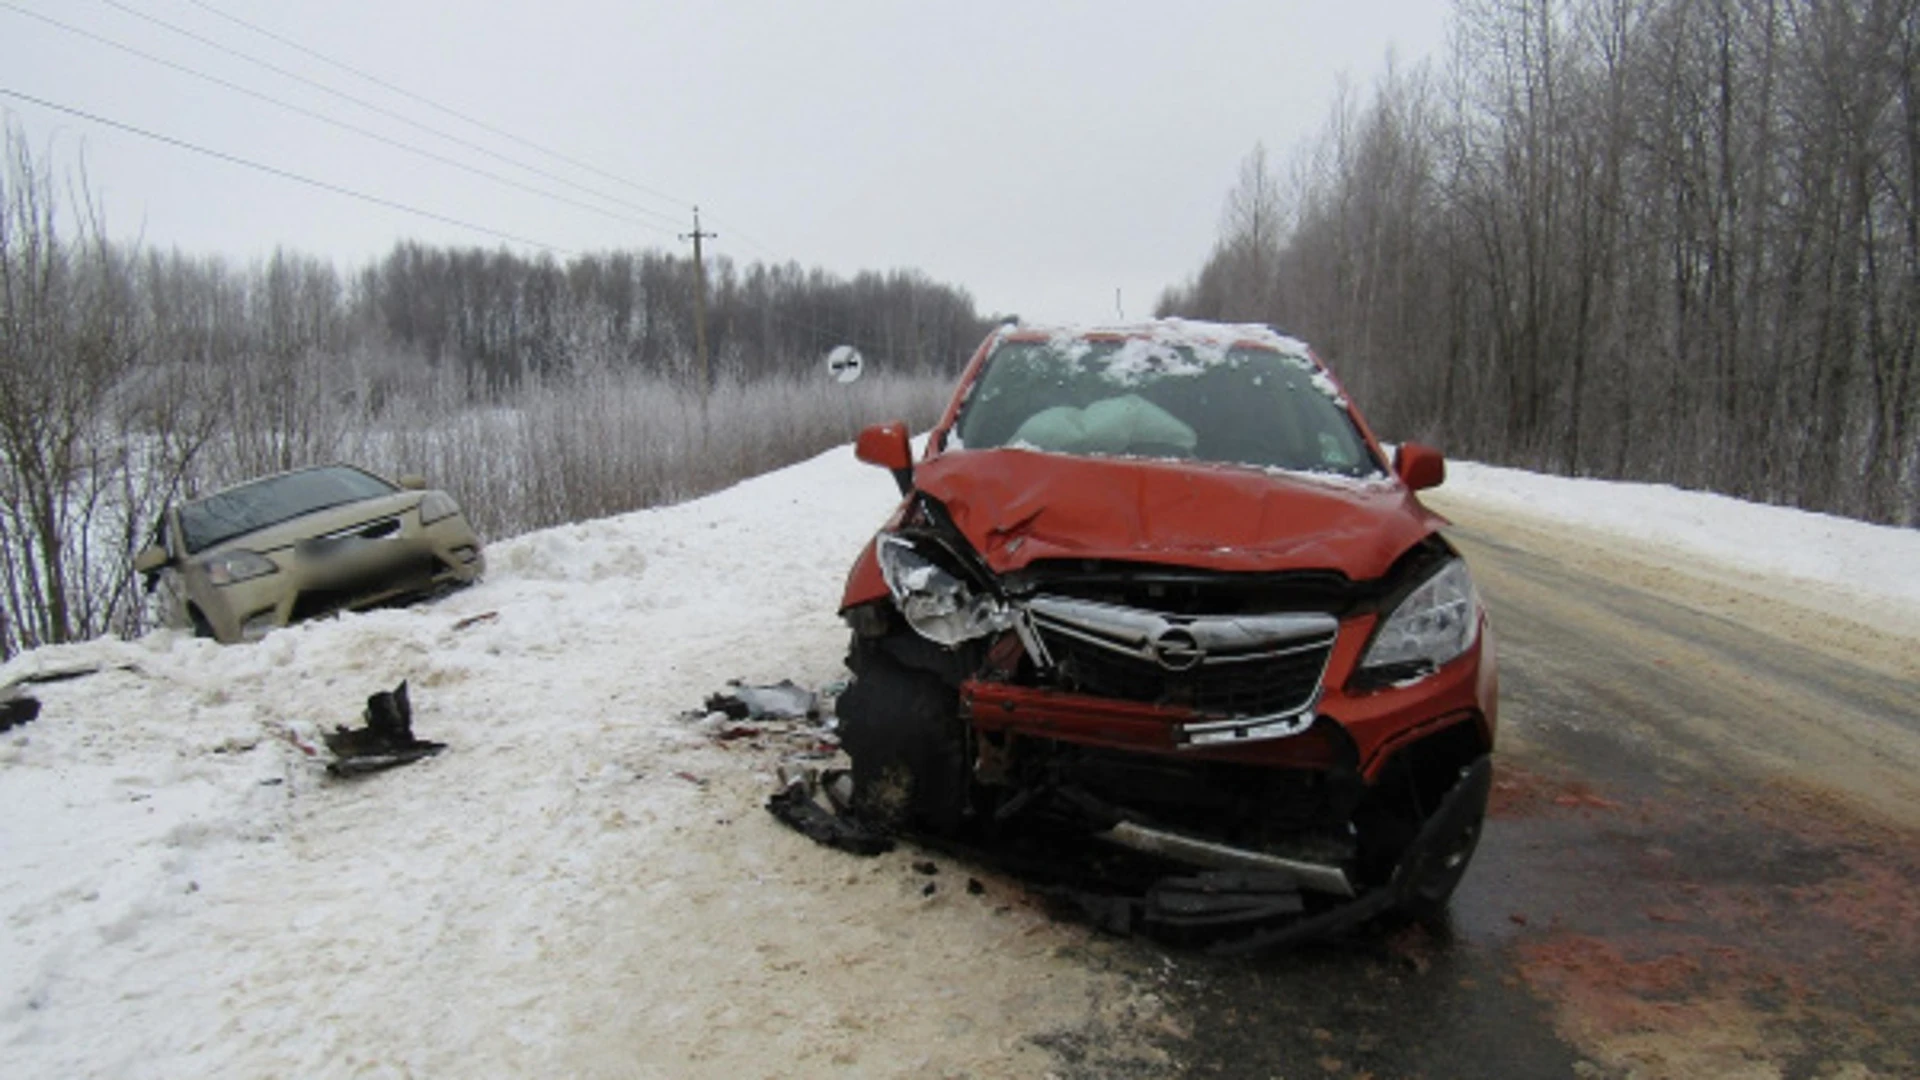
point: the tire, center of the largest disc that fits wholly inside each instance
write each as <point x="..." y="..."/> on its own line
<point x="902" y="729"/>
<point x="201" y="627"/>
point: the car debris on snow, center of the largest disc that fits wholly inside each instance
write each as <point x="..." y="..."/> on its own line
<point x="796" y="806"/>
<point x="386" y="741"/>
<point x="475" y="620"/>
<point x="800" y="718"/>
<point x="783" y="700"/>
<point x="17" y="709"/>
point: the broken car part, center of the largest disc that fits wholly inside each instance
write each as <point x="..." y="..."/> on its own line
<point x="795" y="806"/>
<point x="1187" y="849"/>
<point x="17" y="709"/>
<point x="783" y="700"/>
<point x="386" y="741"/>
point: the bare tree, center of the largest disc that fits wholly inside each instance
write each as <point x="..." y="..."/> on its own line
<point x="1667" y="239"/>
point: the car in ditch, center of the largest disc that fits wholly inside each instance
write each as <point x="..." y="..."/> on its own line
<point x="235" y="564"/>
<point x="1157" y="588"/>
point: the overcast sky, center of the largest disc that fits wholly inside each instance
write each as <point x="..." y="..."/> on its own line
<point x="1039" y="155"/>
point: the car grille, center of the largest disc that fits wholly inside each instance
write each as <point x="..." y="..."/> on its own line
<point x="1238" y="666"/>
<point x="328" y="543"/>
<point x="415" y="573"/>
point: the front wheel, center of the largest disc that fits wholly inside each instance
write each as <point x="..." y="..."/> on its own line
<point x="902" y="729"/>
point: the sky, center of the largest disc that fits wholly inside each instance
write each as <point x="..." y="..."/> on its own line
<point x="1059" y="161"/>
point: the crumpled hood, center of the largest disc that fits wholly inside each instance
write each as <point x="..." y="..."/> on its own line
<point x="1019" y="506"/>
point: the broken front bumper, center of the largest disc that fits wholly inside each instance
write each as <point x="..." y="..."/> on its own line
<point x="1255" y="909"/>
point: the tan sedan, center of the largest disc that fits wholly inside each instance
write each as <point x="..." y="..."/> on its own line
<point x="274" y="551"/>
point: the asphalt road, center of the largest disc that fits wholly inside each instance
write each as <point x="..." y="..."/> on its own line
<point x="1703" y="858"/>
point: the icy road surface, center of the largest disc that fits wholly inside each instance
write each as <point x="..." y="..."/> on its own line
<point x="585" y="885"/>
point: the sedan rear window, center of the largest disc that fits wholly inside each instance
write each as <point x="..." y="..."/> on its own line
<point x="248" y="507"/>
<point x="1151" y="398"/>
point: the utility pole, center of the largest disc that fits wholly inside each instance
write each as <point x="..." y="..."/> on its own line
<point x="700" y="310"/>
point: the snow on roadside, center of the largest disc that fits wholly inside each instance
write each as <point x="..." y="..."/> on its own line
<point x="581" y="884"/>
<point x="1836" y="553"/>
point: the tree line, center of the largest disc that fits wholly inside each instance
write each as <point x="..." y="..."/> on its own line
<point x="1670" y="240"/>
<point x="537" y="390"/>
<point x="500" y="317"/>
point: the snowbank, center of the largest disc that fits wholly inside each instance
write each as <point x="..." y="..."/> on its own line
<point x="1818" y="549"/>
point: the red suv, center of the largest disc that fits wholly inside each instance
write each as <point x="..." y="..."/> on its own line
<point x="1159" y="587"/>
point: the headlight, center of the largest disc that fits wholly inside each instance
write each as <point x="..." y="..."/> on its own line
<point x="231" y="566"/>
<point x="939" y="606"/>
<point x="437" y="505"/>
<point x="1436" y="623"/>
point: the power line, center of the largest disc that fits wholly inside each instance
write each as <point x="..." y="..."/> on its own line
<point x="282" y="173"/>
<point x="744" y="235"/>
<point x="376" y="80"/>
<point x="430" y="103"/>
<point x="335" y="122"/>
<point x="386" y="112"/>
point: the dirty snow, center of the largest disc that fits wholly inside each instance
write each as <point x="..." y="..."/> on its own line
<point x="583" y="884"/>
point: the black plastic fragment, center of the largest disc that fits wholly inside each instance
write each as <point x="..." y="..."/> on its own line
<point x="386" y="741"/>
<point x="1327" y="924"/>
<point x="1222" y="899"/>
<point x="17" y="710"/>
<point x="795" y="807"/>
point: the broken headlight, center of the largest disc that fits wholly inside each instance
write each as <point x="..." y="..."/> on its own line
<point x="937" y="603"/>
<point x="1437" y="622"/>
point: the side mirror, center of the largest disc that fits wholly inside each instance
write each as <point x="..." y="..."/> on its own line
<point x="886" y="445"/>
<point x="1419" y="467"/>
<point x="414" y="482"/>
<point x="150" y="559"/>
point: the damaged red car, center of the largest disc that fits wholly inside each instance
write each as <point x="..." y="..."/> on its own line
<point x="1158" y="589"/>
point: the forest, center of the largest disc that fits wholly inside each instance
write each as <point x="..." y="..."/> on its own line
<point x="1663" y="240"/>
<point x="537" y="391"/>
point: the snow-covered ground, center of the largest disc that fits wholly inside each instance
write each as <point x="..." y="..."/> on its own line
<point x="584" y="883"/>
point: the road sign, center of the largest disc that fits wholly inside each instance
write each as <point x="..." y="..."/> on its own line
<point x="844" y="364"/>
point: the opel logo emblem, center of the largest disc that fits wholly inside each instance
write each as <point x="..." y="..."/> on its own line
<point x="1176" y="649"/>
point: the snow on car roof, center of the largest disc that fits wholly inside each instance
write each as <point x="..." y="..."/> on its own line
<point x="1173" y="347"/>
<point x="1207" y="340"/>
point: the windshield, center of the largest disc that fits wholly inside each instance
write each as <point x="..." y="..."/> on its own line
<point x="241" y="510"/>
<point x="1152" y="398"/>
